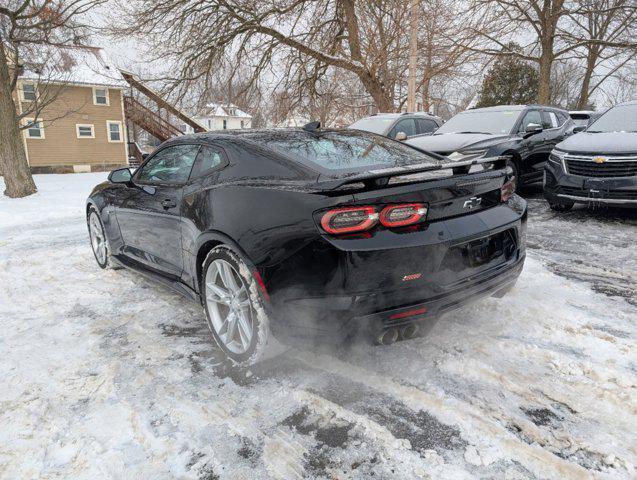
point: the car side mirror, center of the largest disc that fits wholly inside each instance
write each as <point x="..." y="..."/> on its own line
<point x="401" y="136"/>
<point x="532" y="129"/>
<point x="121" y="175"/>
<point x="579" y="128"/>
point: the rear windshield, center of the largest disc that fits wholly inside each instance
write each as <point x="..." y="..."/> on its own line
<point x="622" y="118"/>
<point x="346" y="150"/>
<point x="373" y="124"/>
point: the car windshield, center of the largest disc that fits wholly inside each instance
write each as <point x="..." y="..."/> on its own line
<point x="480" y="121"/>
<point x="346" y="150"/>
<point x="622" y="118"/>
<point x="580" y="120"/>
<point x="373" y="124"/>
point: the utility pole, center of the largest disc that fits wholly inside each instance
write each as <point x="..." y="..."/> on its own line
<point x="413" y="57"/>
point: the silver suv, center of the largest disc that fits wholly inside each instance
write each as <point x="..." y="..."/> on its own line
<point x="399" y="126"/>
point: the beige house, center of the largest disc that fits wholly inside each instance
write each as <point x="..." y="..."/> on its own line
<point x="82" y="127"/>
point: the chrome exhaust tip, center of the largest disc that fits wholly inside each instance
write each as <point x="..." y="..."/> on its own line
<point x="409" y="331"/>
<point x="387" y="337"/>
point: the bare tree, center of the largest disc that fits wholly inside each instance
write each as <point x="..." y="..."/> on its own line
<point x="606" y="28"/>
<point x="447" y="45"/>
<point x="547" y="23"/>
<point x="26" y="25"/>
<point x="300" y="37"/>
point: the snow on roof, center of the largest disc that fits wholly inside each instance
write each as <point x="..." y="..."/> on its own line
<point x="224" y="110"/>
<point x="72" y="64"/>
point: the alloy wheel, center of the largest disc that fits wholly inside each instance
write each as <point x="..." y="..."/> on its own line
<point x="98" y="240"/>
<point x="229" y="306"/>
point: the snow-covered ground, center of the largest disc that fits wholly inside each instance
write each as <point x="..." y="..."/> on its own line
<point x="105" y="375"/>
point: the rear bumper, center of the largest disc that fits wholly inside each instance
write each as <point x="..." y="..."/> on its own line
<point x="560" y="187"/>
<point x="443" y="288"/>
<point x="485" y="285"/>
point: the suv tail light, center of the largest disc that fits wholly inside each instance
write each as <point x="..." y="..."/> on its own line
<point x="403" y="214"/>
<point x="507" y="190"/>
<point x="349" y="220"/>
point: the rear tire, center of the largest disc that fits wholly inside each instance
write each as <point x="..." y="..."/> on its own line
<point x="561" y="207"/>
<point x="234" y="307"/>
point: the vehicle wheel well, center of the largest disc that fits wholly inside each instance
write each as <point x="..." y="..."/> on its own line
<point x="515" y="156"/>
<point x="202" y="254"/>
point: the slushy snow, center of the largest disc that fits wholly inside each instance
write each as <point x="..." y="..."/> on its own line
<point x="104" y="374"/>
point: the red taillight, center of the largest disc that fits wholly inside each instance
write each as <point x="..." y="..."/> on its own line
<point x="349" y="220"/>
<point x="507" y="190"/>
<point x="408" y="313"/>
<point x="403" y="214"/>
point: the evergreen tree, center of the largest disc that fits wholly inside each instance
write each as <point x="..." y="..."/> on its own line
<point x="511" y="81"/>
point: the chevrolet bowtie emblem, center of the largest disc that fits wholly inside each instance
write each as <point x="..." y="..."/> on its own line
<point x="599" y="159"/>
<point x="472" y="202"/>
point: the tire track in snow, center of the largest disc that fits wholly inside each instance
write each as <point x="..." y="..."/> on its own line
<point x="471" y="421"/>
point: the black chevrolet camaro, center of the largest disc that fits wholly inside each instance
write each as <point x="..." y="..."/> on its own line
<point x="311" y="232"/>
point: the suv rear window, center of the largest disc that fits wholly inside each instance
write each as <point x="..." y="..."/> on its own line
<point x="345" y="150"/>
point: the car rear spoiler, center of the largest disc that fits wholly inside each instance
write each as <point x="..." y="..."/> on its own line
<point x="381" y="177"/>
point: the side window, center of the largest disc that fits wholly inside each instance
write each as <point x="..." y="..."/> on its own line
<point x="546" y="120"/>
<point x="170" y="165"/>
<point x="555" y="122"/>
<point x="426" y="126"/>
<point x="407" y="126"/>
<point x="532" y="116"/>
<point x="208" y="159"/>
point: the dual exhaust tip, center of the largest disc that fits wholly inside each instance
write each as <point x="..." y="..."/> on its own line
<point x="391" y="335"/>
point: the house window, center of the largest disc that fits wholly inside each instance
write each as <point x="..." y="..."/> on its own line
<point x="35" y="128"/>
<point x="241" y="123"/>
<point x="100" y="96"/>
<point x="85" y="131"/>
<point x="28" y="92"/>
<point x="209" y="124"/>
<point x="114" y="131"/>
<point x="225" y="124"/>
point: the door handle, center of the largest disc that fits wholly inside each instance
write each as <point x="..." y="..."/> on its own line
<point x="168" y="203"/>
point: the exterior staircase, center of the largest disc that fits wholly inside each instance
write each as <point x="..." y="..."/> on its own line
<point x="151" y="121"/>
<point x="146" y="119"/>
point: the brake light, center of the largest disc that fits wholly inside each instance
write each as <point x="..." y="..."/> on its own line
<point x="349" y="220"/>
<point x="507" y="190"/>
<point x="404" y="214"/>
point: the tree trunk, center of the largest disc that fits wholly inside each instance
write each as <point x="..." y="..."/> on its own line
<point x="376" y="90"/>
<point x="544" y="81"/>
<point x="591" y="60"/>
<point x="13" y="159"/>
<point x="426" y="101"/>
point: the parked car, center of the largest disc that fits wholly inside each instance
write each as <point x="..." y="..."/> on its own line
<point x="301" y="232"/>
<point x="399" y="126"/>
<point x="583" y="118"/>
<point x="598" y="166"/>
<point x="524" y="133"/>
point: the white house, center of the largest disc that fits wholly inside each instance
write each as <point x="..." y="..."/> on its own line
<point x="217" y="116"/>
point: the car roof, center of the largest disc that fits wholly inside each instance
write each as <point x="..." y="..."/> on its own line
<point x="500" y="108"/>
<point x="399" y="115"/>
